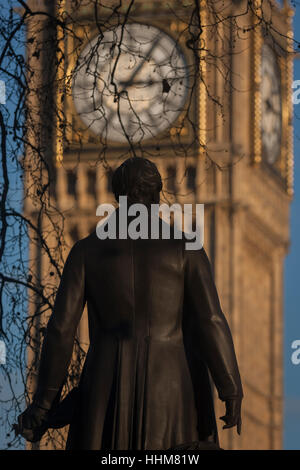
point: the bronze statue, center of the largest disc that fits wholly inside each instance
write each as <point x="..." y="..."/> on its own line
<point x="156" y="328"/>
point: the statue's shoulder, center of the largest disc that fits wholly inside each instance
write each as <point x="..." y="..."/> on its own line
<point x="84" y="243"/>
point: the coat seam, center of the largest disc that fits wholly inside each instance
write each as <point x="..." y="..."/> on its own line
<point x="135" y="364"/>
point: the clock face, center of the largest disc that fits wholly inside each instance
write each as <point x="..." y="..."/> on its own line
<point x="130" y="84"/>
<point x="271" y="105"/>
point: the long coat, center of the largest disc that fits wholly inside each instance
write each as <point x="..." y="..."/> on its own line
<point x="156" y="326"/>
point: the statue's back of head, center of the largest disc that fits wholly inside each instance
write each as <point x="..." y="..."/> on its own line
<point x="139" y="179"/>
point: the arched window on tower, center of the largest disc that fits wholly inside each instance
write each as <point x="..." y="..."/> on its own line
<point x="109" y="181"/>
<point x="74" y="234"/>
<point x="91" y="182"/>
<point x="71" y="183"/>
<point x="191" y="178"/>
<point x="171" y="179"/>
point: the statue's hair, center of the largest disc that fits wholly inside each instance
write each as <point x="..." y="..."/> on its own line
<point x="139" y="179"/>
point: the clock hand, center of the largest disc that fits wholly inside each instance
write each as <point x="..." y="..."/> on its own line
<point x="137" y="82"/>
<point x="150" y="50"/>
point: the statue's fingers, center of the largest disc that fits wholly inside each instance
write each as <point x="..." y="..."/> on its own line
<point x="224" y="418"/>
<point x="24" y="421"/>
<point x="15" y="428"/>
<point x="23" y="428"/>
<point x="227" y="418"/>
<point x="230" y="421"/>
<point x="227" y="426"/>
<point x="35" y="422"/>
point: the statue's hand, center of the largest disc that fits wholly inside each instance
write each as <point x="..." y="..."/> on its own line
<point x="233" y="414"/>
<point x="32" y="423"/>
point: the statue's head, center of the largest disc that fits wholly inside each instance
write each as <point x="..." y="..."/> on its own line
<point x="139" y="180"/>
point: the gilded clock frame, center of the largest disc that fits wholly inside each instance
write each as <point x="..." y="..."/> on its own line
<point x="90" y="140"/>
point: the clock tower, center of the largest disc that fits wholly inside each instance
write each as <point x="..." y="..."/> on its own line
<point x="204" y="90"/>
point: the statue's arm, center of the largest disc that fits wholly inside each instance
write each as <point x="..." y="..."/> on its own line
<point x="61" y="329"/>
<point x="207" y="325"/>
